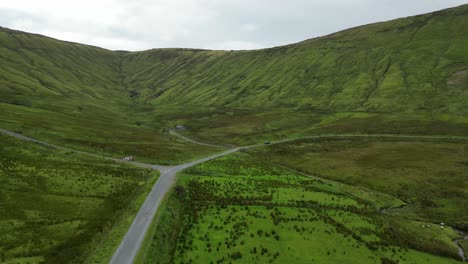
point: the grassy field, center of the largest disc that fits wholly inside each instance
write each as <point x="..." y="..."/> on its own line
<point x="238" y="209"/>
<point x="62" y="207"/>
<point x="429" y="175"/>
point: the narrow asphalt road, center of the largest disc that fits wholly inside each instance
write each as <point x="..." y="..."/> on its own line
<point x="19" y="136"/>
<point x="197" y="142"/>
<point x="357" y="136"/>
<point x="131" y="243"/>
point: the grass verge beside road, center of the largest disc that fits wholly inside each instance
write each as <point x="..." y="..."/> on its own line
<point x="63" y="207"/>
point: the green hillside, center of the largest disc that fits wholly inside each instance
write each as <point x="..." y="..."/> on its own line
<point x="44" y="73"/>
<point x="365" y="184"/>
<point x="408" y="65"/>
<point x="72" y="95"/>
<point x="403" y="76"/>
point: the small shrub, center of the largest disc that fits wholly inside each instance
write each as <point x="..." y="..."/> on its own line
<point x="236" y="255"/>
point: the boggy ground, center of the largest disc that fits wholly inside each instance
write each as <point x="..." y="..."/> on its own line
<point x="63" y="207"/>
<point x="239" y="209"/>
<point x="429" y="175"/>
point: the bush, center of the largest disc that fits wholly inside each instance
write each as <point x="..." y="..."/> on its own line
<point x="236" y="255"/>
<point x="180" y="191"/>
<point x="22" y="102"/>
<point x="388" y="261"/>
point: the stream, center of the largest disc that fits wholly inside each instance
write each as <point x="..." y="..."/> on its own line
<point x="460" y="249"/>
<point x="464" y="235"/>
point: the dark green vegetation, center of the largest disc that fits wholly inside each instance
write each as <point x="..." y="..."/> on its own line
<point x="408" y="76"/>
<point x="62" y="207"/>
<point x="430" y="176"/>
<point x="403" y="76"/>
<point x="238" y="209"/>
<point x="464" y="244"/>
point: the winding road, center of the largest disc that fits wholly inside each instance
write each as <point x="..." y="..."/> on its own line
<point x="197" y="142"/>
<point x="132" y="241"/>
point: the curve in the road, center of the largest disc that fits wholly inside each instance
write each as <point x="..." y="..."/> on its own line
<point x="131" y="243"/>
<point x="198" y="142"/>
<point x="161" y="168"/>
<point x="134" y="237"/>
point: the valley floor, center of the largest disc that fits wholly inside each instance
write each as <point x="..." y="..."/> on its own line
<point x="279" y="203"/>
<point x="244" y="208"/>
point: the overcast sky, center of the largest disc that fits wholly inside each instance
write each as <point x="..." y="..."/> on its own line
<point x="210" y="24"/>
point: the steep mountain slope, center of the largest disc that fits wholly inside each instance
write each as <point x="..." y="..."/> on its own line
<point x="404" y="76"/>
<point x="416" y="64"/>
<point x="72" y="95"/>
<point x="42" y="72"/>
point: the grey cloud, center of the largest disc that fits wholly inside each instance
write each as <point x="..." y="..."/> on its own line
<point x="10" y="18"/>
<point x="217" y="24"/>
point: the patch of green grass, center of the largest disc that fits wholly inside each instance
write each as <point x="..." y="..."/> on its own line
<point x="429" y="175"/>
<point x="107" y="246"/>
<point x="238" y="209"/>
<point x="424" y="235"/>
<point x="464" y="244"/>
<point x="63" y="207"/>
